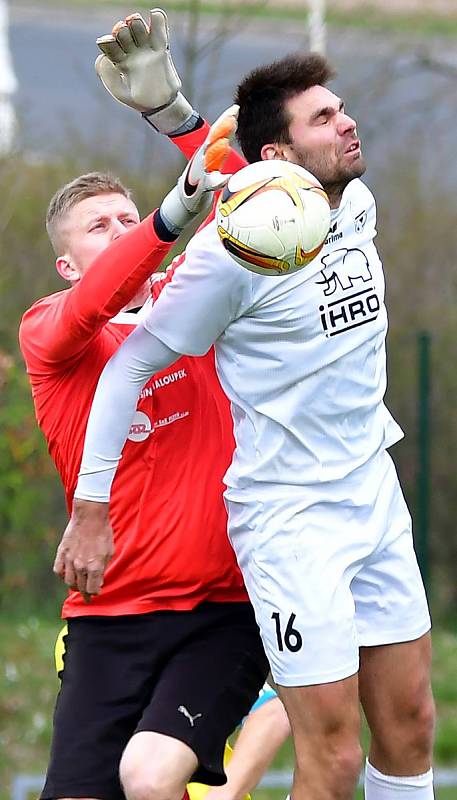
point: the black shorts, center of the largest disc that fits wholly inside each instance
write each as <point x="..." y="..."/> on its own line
<point x="143" y="673"/>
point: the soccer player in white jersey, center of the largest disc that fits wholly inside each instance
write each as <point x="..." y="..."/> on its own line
<point x="316" y="514"/>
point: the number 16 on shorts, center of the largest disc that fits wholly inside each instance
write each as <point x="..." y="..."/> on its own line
<point x="287" y="636"/>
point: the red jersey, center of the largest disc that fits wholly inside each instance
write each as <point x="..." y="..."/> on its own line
<point x="167" y="510"/>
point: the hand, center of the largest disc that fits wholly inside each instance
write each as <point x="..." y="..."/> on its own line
<point x="136" y="68"/>
<point x="85" y="548"/>
<point x="194" y="191"/>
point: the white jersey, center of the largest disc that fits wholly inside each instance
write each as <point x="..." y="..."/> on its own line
<point x="301" y="357"/>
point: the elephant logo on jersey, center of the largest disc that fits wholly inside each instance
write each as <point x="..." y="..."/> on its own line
<point x="344" y="268"/>
<point x="360" y="220"/>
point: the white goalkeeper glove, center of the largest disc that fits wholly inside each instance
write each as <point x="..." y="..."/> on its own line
<point x="193" y="192"/>
<point x="137" y="69"/>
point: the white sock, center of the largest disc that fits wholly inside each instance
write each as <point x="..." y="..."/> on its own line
<point x="389" y="787"/>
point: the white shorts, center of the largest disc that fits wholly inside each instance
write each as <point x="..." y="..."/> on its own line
<point x="330" y="568"/>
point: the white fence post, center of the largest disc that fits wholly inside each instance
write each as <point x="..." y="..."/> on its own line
<point x="8" y="85"/>
<point x="316" y="26"/>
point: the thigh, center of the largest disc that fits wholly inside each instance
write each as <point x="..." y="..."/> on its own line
<point x="209" y="684"/>
<point x="393" y="676"/>
<point x="298" y="573"/>
<point x="106" y="681"/>
<point x="391" y="605"/>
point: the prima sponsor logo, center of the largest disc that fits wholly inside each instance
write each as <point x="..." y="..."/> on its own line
<point x="333" y="234"/>
<point x="165" y="380"/>
<point x="347" y="278"/>
<point x="140" y="428"/>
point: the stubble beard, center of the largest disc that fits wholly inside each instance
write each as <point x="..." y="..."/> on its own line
<point x="333" y="179"/>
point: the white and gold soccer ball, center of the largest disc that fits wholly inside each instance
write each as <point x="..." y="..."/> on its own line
<point x="273" y="217"/>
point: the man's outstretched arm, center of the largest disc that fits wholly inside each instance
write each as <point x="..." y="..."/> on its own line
<point x="137" y="69"/>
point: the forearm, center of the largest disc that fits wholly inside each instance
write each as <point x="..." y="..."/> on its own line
<point x="262" y="734"/>
<point x="118" y="273"/>
<point x="113" y="408"/>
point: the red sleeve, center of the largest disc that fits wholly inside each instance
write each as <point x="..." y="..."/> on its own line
<point x="188" y="143"/>
<point x="61" y="329"/>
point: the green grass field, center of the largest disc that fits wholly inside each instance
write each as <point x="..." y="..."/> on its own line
<point x="28" y="686"/>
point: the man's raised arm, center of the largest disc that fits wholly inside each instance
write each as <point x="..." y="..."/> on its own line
<point x="137" y="69"/>
<point x="87" y="543"/>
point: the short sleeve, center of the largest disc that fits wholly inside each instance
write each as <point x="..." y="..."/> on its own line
<point x="208" y="291"/>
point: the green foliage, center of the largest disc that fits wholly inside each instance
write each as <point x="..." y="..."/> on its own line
<point x="30" y="502"/>
<point x="28" y="686"/>
<point x="417" y="245"/>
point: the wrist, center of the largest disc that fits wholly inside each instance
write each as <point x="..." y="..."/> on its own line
<point x="173" y="117"/>
<point x="173" y="213"/>
<point x="163" y="229"/>
<point x="82" y="509"/>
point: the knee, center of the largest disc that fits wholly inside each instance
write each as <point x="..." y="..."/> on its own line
<point x="339" y="757"/>
<point x="409" y="732"/>
<point x="346" y="758"/>
<point x="420" y="724"/>
<point x="148" y="782"/>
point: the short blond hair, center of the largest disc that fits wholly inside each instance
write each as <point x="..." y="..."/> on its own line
<point x="89" y="185"/>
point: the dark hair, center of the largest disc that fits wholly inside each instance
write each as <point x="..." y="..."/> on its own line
<point x="262" y="93"/>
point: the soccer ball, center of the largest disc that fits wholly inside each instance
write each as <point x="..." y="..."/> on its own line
<point x="273" y="217"/>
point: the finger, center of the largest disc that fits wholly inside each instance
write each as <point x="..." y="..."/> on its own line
<point x="59" y="565"/>
<point x="110" y="48"/>
<point x="225" y="125"/>
<point x="94" y="581"/>
<point x="116" y="27"/>
<point x="216" y="180"/>
<point x="70" y="574"/>
<point x="216" y="154"/>
<point x="125" y="39"/>
<point x="223" y="129"/>
<point x="81" y="580"/>
<point x="138" y="29"/>
<point x="112" y="79"/>
<point x="159" y="38"/>
<point x="86" y="597"/>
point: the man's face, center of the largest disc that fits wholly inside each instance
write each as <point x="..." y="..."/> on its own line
<point x="89" y="227"/>
<point x="323" y="140"/>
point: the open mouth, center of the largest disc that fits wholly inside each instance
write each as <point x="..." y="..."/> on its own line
<point x="354" y="147"/>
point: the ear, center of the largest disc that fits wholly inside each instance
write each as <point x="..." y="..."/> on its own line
<point x="269" y="152"/>
<point x="66" y="270"/>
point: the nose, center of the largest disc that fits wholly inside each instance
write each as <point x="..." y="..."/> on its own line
<point x="117" y="229"/>
<point x="346" y="124"/>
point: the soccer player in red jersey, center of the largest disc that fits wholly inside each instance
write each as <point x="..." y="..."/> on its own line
<point x="163" y="663"/>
